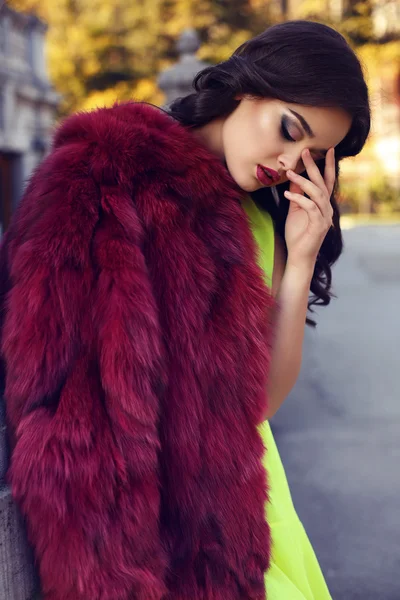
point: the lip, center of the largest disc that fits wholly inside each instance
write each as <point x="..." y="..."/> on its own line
<point x="267" y="176"/>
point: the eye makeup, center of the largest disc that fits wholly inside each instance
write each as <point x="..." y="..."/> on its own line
<point x="309" y="132"/>
<point x="287" y="123"/>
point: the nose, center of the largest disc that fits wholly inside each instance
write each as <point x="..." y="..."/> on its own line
<point x="290" y="161"/>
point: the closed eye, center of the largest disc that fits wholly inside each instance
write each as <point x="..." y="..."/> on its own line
<point x="285" y="132"/>
<point x="316" y="154"/>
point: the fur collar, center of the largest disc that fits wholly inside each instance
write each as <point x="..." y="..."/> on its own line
<point x="135" y="338"/>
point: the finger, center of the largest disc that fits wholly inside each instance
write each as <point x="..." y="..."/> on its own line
<point x="317" y="195"/>
<point x="309" y="206"/>
<point x="329" y="171"/>
<point x="312" y="170"/>
<point x="294" y="188"/>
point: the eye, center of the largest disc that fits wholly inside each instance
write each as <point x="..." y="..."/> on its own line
<point x="285" y="131"/>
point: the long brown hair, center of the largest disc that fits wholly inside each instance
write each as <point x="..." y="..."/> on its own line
<point x="299" y="62"/>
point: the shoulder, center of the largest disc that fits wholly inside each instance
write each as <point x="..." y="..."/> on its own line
<point x="114" y="125"/>
<point x="141" y="149"/>
<point x="129" y="137"/>
<point x="94" y="154"/>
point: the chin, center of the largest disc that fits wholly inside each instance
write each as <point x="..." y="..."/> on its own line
<point x="248" y="186"/>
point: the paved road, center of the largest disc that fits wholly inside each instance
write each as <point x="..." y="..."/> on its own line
<point x="339" y="431"/>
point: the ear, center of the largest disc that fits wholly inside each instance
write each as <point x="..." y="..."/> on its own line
<point x="239" y="97"/>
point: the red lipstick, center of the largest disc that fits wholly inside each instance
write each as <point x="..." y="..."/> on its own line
<point x="267" y="176"/>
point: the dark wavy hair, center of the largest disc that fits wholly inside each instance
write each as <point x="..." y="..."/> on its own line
<point x="299" y="62"/>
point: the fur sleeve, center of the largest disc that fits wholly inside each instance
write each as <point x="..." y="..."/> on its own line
<point x="81" y="346"/>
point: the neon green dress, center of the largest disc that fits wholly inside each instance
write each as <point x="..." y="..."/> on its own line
<point x="294" y="573"/>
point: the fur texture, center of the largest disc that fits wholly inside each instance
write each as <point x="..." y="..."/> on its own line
<point x="135" y="345"/>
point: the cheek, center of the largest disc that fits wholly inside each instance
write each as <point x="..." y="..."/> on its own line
<point x="234" y="132"/>
<point x="267" y="141"/>
<point x="241" y="143"/>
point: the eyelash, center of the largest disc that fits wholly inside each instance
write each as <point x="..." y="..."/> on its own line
<point x="285" y="131"/>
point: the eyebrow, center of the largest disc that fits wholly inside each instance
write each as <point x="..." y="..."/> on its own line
<point x="306" y="128"/>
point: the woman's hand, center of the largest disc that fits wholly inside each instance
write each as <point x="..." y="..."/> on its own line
<point x="309" y="219"/>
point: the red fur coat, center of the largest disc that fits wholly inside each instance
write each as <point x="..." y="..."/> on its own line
<point x="135" y="348"/>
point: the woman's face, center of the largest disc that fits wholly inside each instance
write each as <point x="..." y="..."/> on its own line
<point x="273" y="134"/>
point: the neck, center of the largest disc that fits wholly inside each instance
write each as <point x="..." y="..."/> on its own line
<point x="210" y="135"/>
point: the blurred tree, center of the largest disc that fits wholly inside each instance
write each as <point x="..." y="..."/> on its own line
<point x="357" y="22"/>
<point x="101" y="50"/>
<point x="353" y="18"/>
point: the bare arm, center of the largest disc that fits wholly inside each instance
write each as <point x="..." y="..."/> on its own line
<point x="291" y="286"/>
<point x="307" y="223"/>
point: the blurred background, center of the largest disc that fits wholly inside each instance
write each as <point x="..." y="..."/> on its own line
<point x="69" y="55"/>
<point x="338" y="431"/>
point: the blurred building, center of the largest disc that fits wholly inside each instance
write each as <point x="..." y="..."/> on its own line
<point x="27" y="105"/>
<point x="27" y="108"/>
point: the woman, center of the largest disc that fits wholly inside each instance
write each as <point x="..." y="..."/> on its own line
<point x="139" y="326"/>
